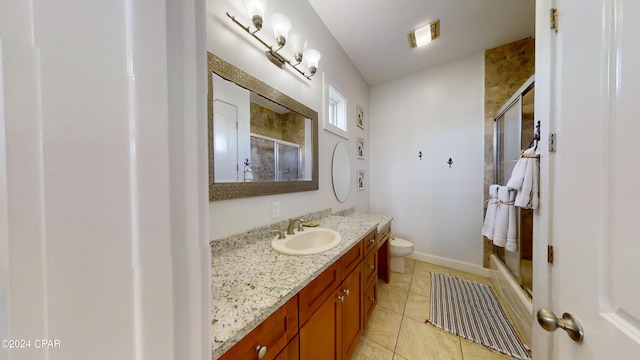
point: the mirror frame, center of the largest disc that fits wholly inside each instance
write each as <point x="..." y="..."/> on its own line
<point x="235" y="190"/>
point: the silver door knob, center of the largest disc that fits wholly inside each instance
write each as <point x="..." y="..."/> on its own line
<point x="341" y="298"/>
<point x="550" y="322"/>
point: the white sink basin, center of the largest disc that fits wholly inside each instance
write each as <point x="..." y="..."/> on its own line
<point x="307" y="242"/>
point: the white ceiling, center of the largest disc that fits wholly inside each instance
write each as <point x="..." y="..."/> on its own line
<point x="373" y="33"/>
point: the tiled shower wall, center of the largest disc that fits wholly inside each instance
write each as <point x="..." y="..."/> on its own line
<point x="506" y="68"/>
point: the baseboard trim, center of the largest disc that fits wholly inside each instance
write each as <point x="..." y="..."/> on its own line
<point x="451" y="263"/>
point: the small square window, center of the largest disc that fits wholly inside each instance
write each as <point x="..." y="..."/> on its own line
<point x="336" y="116"/>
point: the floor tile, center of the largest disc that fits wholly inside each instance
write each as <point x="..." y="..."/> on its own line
<point x="421" y="283"/>
<point x="420" y="341"/>
<point x="409" y="265"/>
<point x="396" y="330"/>
<point x="391" y="297"/>
<point x="426" y="267"/>
<point x="402" y="281"/>
<point x="472" y="351"/>
<point x="370" y="350"/>
<point x="383" y="327"/>
<point x="417" y="307"/>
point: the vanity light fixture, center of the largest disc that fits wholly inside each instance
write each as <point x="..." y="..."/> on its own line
<point x="424" y="34"/>
<point x="281" y="26"/>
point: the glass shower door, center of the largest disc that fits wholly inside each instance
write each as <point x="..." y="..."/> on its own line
<point x="508" y="146"/>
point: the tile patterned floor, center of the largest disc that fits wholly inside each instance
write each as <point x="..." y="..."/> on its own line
<point x="397" y="330"/>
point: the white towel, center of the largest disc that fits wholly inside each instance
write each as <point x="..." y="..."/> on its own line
<point x="490" y="216"/>
<point x="503" y="212"/>
<point x="525" y="179"/>
<point x="512" y="229"/>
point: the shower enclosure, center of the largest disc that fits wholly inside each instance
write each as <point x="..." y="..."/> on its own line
<point x="514" y="131"/>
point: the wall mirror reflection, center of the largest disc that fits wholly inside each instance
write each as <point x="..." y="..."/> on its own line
<point x="260" y="141"/>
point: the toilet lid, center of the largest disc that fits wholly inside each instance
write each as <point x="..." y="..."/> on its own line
<point x="401" y="243"/>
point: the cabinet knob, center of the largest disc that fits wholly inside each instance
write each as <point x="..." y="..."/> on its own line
<point x="341" y="298"/>
<point x="372" y="240"/>
<point x="372" y="299"/>
<point x="372" y="267"/>
<point x="261" y="350"/>
<point x="346" y="291"/>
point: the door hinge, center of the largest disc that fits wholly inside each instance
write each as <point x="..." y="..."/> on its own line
<point x="553" y="19"/>
<point x="550" y="254"/>
<point x="552" y="142"/>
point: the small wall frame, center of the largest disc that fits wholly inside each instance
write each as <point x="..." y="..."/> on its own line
<point x="361" y="180"/>
<point x="360" y="116"/>
<point x="360" y="152"/>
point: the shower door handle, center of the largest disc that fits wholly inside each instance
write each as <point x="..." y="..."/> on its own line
<point x="550" y="322"/>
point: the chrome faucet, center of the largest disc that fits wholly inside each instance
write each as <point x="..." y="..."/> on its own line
<point x="292" y="224"/>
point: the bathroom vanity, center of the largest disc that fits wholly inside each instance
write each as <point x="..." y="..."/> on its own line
<point x="266" y="305"/>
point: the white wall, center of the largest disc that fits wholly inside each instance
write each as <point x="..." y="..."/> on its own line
<point x="438" y="111"/>
<point x="231" y="43"/>
<point x="103" y="215"/>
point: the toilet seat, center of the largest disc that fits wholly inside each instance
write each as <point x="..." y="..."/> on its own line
<point x="401" y="243"/>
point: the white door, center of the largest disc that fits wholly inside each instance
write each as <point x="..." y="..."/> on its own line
<point x="588" y="83"/>
<point x="225" y="152"/>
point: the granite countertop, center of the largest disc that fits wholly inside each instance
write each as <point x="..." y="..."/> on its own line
<point x="382" y="220"/>
<point x="249" y="283"/>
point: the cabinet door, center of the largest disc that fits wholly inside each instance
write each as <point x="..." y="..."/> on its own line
<point x="352" y="311"/>
<point x="291" y="352"/>
<point x="321" y="336"/>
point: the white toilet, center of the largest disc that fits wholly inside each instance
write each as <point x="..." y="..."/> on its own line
<point x="399" y="249"/>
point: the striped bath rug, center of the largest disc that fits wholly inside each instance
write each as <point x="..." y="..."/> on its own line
<point x="471" y="310"/>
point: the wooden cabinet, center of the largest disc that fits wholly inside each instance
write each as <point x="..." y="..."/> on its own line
<point x="292" y="351"/>
<point x="352" y="311"/>
<point x="326" y="319"/>
<point x="314" y="294"/>
<point x="333" y="331"/>
<point x="352" y="259"/>
<point x="321" y="336"/>
<point x="370" y="242"/>
<point x="333" y="328"/>
<point x="369" y="300"/>
<point x="384" y="253"/>
<point x="273" y="334"/>
<point x="370" y="270"/>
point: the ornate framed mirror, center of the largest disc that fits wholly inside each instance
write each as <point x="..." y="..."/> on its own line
<point x="261" y="141"/>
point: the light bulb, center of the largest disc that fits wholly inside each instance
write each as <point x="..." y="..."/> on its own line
<point x="281" y="26"/>
<point x="313" y="58"/>
<point x="255" y="9"/>
<point x="298" y="43"/>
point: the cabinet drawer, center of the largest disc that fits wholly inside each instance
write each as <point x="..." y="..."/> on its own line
<point x="314" y="294"/>
<point x="383" y="235"/>
<point x="370" y="299"/>
<point x="369" y="242"/>
<point x="370" y="269"/>
<point x="351" y="259"/>
<point x="274" y="333"/>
